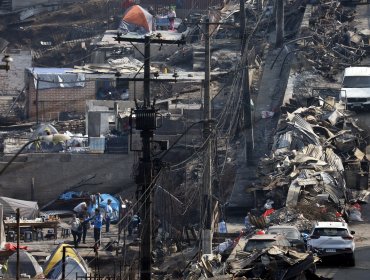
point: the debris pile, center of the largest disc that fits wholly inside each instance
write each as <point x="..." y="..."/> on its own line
<point x="331" y="43"/>
<point x="260" y="264"/>
<point x="307" y="177"/>
<point x="272" y="263"/>
<point x="317" y="157"/>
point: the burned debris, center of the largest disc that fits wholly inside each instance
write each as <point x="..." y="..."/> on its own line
<point x="315" y="150"/>
<point x="330" y="41"/>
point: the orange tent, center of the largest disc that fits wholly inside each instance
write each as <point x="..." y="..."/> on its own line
<point x="137" y="19"/>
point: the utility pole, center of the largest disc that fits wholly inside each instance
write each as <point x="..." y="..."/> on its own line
<point x="207" y="214"/>
<point x="279" y="23"/>
<point x="37" y="100"/>
<point x="242" y="34"/>
<point x="249" y="143"/>
<point x="146" y="116"/>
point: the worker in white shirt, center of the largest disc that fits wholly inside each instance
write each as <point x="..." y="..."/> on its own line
<point x="108" y="215"/>
<point x="171" y="17"/>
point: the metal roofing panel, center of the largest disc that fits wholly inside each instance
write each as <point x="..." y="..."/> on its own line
<point x="313" y="151"/>
<point x="334" y="160"/>
<point x="285" y="140"/>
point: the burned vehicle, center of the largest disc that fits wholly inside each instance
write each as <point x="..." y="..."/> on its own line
<point x="291" y="233"/>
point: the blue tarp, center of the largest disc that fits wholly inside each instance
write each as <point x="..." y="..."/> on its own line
<point x="103" y="203"/>
<point x="70" y="195"/>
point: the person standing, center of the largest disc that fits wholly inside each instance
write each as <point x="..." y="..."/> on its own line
<point x="80" y="207"/>
<point x="127" y="4"/>
<point x="84" y="216"/>
<point x="153" y="13"/>
<point x="134" y="224"/>
<point x="171" y="17"/>
<point x="108" y="215"/>
<point x="76" y="229"/>
<point x="346" y="37"/>
<point x="97" y="221"/>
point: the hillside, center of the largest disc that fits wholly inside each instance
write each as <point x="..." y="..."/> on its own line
<point x="52" y="35"/>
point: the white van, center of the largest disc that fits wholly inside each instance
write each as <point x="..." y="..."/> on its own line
<point x="355" y="91"/>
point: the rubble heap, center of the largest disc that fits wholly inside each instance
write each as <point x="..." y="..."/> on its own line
<point x="270" y="263"/>
<point x="331" y="43"/>
<point x="316" y="154"/>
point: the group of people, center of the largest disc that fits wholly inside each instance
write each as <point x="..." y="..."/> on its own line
<point x="82" y="221"/>
<point x="171" y="16"/>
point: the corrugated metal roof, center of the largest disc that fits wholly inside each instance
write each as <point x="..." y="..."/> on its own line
<point x="299" y="123"/>
<point x="51" y="70"/>
<point x="334" y="160"/>
<point x="285" y="140"/>
<point x="313" y="151"/>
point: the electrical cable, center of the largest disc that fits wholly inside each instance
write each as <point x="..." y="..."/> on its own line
<point x="150" y="189"/>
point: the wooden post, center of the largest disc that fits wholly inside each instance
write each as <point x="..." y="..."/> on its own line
<point x="64" y="263"/>
<point x="33" y="189"/>
<point x="18" y="239"/>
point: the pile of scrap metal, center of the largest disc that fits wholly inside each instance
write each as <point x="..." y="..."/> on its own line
<point x="331" y="43"/>
<point x="271" y="263"/>
<point x="317" y="157"/>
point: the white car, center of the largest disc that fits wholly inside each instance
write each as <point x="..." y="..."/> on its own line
<point x="332" y="238"/>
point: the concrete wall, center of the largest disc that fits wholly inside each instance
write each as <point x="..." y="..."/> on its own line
<point x="54" y="173"/>
<point x="12" y="82"/>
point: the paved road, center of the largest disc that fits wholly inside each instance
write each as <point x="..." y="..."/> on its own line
<point x="361" y="271"/>
<point x="362" y="236"/>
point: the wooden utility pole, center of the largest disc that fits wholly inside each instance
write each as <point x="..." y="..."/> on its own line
<point x="33" y="188"/>
<point x="249" y="139"/>
<point x="18" y="239"/>
<point x="249" y="142"/>
<point x="207" y="214"/>
<point x="146" y="167"/>
<point x="37" y="100"/>
<point x="146" y="116"/>
<point x="242" y="34"/>
<point x="279" y="23"/>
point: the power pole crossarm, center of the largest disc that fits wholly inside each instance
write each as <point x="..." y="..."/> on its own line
<point x="119" y="38"/>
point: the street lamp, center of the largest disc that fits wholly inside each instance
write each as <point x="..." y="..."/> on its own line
<point x="7" y="59"/>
